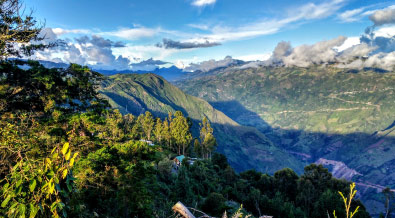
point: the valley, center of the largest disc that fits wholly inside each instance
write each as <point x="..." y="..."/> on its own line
<point x="314" y="114"/>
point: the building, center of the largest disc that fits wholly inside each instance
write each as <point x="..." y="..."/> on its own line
<point x="178" y="160"/>
<point x="147" y="141"/>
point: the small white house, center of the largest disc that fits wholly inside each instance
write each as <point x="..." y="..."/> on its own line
<point x="147" y="141"/>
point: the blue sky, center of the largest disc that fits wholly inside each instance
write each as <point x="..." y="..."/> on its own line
<point x="185" y="31"/>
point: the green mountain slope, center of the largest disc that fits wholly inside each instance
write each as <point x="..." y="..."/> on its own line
<point x="317" y="112"/>
<point x="244" y="146"/>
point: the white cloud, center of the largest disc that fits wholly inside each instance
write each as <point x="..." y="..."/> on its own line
<point x="381" y="17"/>
<point x="143" y="52"/>
<point x="305" y="12"/>
<point x="254" y="57"/>
<point x="359" y="13"/>
<point x="133" y="33"/>
<point x="351" y="15"/>
<point x="61" y="31"/>
<point x="201" y="3"/>
<point x="350" y="41"/>
<point x="387" y="31"/>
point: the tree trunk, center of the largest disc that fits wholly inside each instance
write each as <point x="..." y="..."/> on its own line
<point x="181" y="209"/>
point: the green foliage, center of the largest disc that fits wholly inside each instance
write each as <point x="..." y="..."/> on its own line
<point x="39" y="187"/>
<point x="180" y="132"/>
<point x="16" y="27"/>
<point x="214" y="204"/>
<point x="56" y="92"/>
<point x="116" y="180"/>
<point x="208" y="141"/>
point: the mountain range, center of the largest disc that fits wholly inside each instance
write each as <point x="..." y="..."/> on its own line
<point x="269" y="118"/>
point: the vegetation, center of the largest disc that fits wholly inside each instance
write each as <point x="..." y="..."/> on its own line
<point x="311" y="113"/>
<point x="65" y="153"/>
<point x="243" y="146"/>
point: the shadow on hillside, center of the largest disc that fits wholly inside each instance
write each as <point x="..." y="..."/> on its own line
<point x="370" y="154"/>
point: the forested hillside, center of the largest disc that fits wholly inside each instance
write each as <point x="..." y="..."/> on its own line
<point x="245" y="147"/>
<point x="335" y="114"/>
<point x="66" y="154"/>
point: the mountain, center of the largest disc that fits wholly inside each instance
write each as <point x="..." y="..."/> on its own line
<point x="171" y="73"/>
<point x="244" y="146"/>
<point x="338" y="117"/>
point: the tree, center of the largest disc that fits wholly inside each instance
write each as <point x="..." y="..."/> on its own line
<point x="41" y="90"/>
<point x="19" y="33"/>
<point x="180" y="132"/>
<point x="158" y="130"/>
<point x="207" y="139"/>
<point x="166" y="133"/>
<point x="148" y="124"/>
<point x="197" y="148"/>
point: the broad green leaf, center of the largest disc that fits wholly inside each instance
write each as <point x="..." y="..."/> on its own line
<point x="64" y="174"/>
<point x="32" y="185"/>
<point x="5" y="202"/>
<point x="51" y="173"/>
<point x="33" y="211"/>
<point x="71" y="162"/>
<point x="18" y="183"/>
<point x="56" y="155"/>
<point x="5" y="187"/>
<point x="65" y="148"/>
<point x="67" y="156"/>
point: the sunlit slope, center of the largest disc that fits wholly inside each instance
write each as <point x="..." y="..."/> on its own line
<point x="340" y="117"/>
<point x="315" y="99"/>
<point x="244" y="146"/>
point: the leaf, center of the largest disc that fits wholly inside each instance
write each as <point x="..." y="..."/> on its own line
<point x="5" y="187"/>
<point x="33" y="211"/>
<point x="65" y="148"/>
<point x="51" y="174"/>
<point x="71" y="162"/>
<point x="32" y="185"/>
<point x="18" y="183"/>
<point x="67" y="156"/>
<point x="5" y="202"/>
<point x="73" y="159"/>
<point x="64" y="174"/>
<point x="53" y="150"/>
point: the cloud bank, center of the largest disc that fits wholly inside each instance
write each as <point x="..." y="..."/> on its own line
<point x="171" y="44"/>
<point x="206" y="66"/>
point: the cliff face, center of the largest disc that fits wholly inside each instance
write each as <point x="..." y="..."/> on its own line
<point x="338" y="168"/>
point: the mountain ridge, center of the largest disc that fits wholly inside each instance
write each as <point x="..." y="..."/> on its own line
<point x="244" y="146"/>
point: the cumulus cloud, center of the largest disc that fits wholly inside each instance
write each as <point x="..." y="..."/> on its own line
<point x="149" y="64"/>
<point x="206" y="66"/>
<point x="306" y="55"/>
<point x="171" y="44"/>
<point x="99" y="41"/>
<point x="201" y="3"/>
<point x="93" y="51"/>
<point x="381" y="17"/>
<point x="370" y="52"/>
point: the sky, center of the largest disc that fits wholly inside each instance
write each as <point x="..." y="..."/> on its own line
<point x="140" y="34"/>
